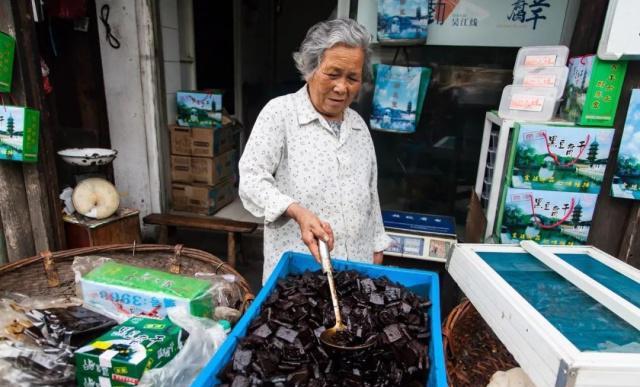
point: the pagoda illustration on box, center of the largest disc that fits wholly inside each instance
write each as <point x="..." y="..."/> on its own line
<point x="19" y="133"/>
<point x="560" y="158"/>
<point x="547" y="217"/>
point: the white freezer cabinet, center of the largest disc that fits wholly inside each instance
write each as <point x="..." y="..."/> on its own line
<point x="569" y="315"/>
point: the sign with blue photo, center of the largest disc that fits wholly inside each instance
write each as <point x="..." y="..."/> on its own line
<point x="398" y="97"/>
<point x="491" y="23"/>
<point x="626" y="180"/>
<point x="402" y="21"/>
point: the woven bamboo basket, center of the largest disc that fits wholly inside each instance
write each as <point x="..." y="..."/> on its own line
<point x="50" y="274"/>
<point x="473" y="352"/>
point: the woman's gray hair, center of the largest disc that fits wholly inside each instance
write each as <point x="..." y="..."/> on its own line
<point x="327" y="34"/>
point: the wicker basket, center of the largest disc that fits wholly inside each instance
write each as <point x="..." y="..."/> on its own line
<point x="473" y="352"/>
<point x="50" y="274"/>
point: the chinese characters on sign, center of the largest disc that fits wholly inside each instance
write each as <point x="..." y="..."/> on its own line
<point x="529" y="11"/>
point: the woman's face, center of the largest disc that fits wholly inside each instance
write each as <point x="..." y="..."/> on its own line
<point x="336" y="81"/>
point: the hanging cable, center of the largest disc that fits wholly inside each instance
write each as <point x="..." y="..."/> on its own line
<point x="104" y="18"/>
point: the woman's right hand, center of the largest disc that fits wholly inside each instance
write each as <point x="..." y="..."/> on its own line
<point x="311" y="228"/>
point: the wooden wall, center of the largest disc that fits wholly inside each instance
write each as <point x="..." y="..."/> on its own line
<point x="616" y="222"/>
<point x="29" y="208"/>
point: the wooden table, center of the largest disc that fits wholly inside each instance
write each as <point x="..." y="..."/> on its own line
<point x="169" y="223"/>
<point x="121" y="227"/>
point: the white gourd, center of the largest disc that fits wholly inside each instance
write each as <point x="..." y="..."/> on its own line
<point x="96" y="198"/>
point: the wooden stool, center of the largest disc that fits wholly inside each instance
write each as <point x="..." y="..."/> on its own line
<point x="169" y="223"/>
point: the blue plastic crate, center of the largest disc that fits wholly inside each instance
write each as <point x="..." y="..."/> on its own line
<point x="422" y="283"/>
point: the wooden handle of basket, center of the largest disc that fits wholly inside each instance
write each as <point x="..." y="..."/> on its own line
<point x="174" y="263"/>
<point x="50" y="270"/>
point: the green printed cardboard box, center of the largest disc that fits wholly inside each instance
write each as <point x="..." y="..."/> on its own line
<point x="559" y="158"/>
<point x="593" y="90"/>
<point x="122" y="355"/>
<point x="134" y="291"/>
<point x="199" y="108"/>
<point x="7" y="53"/>
<point x="547" y="217"/>
<point x="19" y="133"/>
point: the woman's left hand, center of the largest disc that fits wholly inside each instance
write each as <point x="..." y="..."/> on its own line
<point x="378" y="257"/>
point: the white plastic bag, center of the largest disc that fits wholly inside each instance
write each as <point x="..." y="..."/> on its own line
<point x="205" y="337"/>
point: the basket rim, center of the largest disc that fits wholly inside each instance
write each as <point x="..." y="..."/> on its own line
<point x="65" y="255"/>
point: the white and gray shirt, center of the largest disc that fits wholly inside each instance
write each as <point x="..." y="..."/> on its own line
<point x="293" y="155"/>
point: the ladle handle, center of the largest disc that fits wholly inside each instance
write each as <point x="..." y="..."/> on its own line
<point x="326" y="267"/>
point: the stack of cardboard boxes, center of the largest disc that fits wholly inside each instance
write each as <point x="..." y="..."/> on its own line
<point x="203" y="155"/>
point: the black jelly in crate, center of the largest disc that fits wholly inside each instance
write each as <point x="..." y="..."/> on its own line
<point x="282" y="345"/>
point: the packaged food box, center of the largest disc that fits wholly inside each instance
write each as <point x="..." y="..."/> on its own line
<point x="520" y="103"/>
<point x="593" y="90"/>
<point x="199" y="108"/>
<point x="546" y="217"/>
<point x="19" y="133"/>
<point x="626" y="179"/>
<point x="116" y="288"/>
<point x="559" y="158"/>
<point x="202" y="199"/>
<point x="550" y="77"/>
<point x="121" y="356"/>
<point x="541" y="56"/>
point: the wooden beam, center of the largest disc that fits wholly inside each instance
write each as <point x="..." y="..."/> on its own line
<point x="200" y="223"/>
<point x="41" y="179"/>
<point x="14" y="209"/>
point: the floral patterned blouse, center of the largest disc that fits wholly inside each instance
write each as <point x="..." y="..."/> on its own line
<point x="293" y="155"/>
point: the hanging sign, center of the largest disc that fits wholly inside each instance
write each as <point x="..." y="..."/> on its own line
<point x="493" y="23"/>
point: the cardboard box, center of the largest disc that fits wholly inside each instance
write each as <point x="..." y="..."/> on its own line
<point x="136" y="291"/>
<point x="546" y="217"/>
<point x="201" y="170"/>
<point x="7" y="54"/>
<point x="121" y="356"/>
<point x="204" y="200"/>
<point x="593" y="90"/>
<point x="201" y="142"/>
<point x="199" y="109"/>
<point x="19" y="133"/>
<point x="559" y="158"/>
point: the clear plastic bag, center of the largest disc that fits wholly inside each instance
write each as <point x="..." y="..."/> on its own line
<point x="205" y="337"/>
<point x="24" y="365"/>
<point x="224" y="289"/>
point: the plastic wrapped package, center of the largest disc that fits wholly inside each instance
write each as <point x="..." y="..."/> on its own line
<point x="23" y="365"/>
<point x="551" y="77"/>
<point x="122" y="291"/>
<point x="205" y="337"/>
<point x="224" y="289"/>
<point x="542" y="56"/>
<point x="528" y="103"/>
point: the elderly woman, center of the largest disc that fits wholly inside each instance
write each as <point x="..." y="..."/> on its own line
<point x="309" y="166"/>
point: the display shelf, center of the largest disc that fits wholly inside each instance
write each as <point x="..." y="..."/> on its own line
<point x="494" y="151"/>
